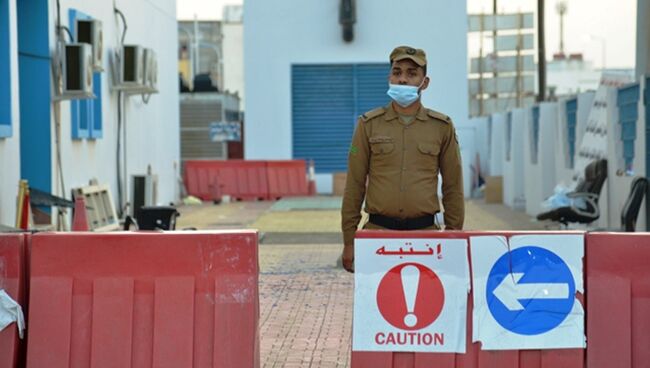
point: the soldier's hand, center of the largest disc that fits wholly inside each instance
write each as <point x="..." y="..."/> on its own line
<point x="347" y="257"/>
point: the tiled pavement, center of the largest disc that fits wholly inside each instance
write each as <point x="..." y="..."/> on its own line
<point x="305" y="299"/>
<point x="305" y="307"/>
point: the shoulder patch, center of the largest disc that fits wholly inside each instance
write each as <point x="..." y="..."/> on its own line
<point x="438" y="115"/>
<point x="373" y="114"/>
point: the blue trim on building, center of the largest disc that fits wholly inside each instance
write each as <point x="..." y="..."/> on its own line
<point x="86" y="114"/>
<point x="535" y="148"/>
<point x="6" y="129"/>
<point x="628" y="113"/>
<point x="571" y="123"/>
<point x="35" y="99"/>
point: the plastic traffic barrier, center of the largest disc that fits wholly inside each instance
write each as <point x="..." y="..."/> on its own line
<point x="144" y="300"/>
<point x="12" y="280"/>
<point x="240" y="179"/>
<point x="618" y="300"/>
<point x="287" y="178"/>
<point x="474" y="357"/>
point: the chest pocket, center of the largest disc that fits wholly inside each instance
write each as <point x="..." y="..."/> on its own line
<point x="381" y="145"/>
<point x="427" y="157"/>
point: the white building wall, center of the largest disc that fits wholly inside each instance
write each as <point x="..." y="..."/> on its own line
<point x="152" y="130"/>
<point x="482" y="125"/>
<point x="619" y="179"/>
<point x="233" y="59"/>
<point x="497" y="142"/>
<point x="467" y="139"/>
<point x="284" y="32"/>
<point x="540" y="175"/>
<point x="564" y="172"/>
<point x="585" y="103"/>
<point x="10" y="146"/>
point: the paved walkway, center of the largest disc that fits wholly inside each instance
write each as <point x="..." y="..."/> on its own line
<point x="305" y="299"/>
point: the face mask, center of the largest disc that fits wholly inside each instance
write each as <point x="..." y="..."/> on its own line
<point x="404" y="95"/>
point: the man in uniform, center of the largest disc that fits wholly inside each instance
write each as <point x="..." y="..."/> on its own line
<point x="396" y="154"/>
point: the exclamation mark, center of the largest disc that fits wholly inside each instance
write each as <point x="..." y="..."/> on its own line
<point x="410" y="282"/>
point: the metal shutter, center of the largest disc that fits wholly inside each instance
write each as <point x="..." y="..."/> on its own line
<point x="326" y="101"/>
<point x="197" y="111"/>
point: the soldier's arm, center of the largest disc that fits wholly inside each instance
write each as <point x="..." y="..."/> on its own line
<point x="452" y="181"/>
<point x="355" y="185"/>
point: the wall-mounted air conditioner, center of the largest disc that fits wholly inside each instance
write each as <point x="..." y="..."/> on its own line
<point x="135" y="70"/>
<point x="150" y="71"/>
<point x="90" y="31"/>
<point x="76" y="71"/>
<point x="131" y="68"/>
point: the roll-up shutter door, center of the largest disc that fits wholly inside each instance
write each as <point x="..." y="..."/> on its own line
<point x="326" y="102"/>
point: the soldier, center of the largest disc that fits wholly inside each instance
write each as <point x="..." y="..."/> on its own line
<point x="396" y="154"/>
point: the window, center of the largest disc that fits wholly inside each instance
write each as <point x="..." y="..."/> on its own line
<point x="628" y="113"/>
<point x="5" y="71"/>
<point x="86" y="115"/>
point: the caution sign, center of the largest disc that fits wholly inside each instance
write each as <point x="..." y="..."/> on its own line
<point x="410" y="295"/>
<point x="525" y="291"/>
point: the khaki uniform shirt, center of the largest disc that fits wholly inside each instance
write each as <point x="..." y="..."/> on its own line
<point x="400" y="163"/>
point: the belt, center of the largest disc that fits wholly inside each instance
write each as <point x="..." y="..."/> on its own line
<point x="403" y="224"/>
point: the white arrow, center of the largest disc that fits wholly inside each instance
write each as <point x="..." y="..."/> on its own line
<point x="510" y="292"/>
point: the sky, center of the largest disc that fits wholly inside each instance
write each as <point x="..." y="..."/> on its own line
<point x="590" y="25"/>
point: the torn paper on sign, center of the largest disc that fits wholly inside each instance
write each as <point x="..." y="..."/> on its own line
<point x="11" y="312"/>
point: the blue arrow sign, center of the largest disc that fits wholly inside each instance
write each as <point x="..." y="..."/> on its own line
<point x="530" y="290"/>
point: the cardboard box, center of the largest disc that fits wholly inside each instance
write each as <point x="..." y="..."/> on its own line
<point x="493" y="189"/>
<point x="338" y="185"/>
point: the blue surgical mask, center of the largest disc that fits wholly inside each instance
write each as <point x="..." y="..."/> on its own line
<point x="404" y="95"/>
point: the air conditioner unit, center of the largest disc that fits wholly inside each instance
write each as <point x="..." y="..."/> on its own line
<point x="143" y="192"/>
<point x="150" y="71"/>
<point x="90" y="31"/>
<point x="76" y="71"/>
<point x="131" y="67"/>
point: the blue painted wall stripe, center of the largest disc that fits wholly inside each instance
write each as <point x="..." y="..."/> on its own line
<point x="571" y="119"/>
<point x="5" y="71"/>
<point x="35" y="99"/>
<point x="535" y="148"/>
<point x="628" y="113"/>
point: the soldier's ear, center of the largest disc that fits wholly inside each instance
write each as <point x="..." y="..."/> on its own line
<point x="425" y="83"/>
